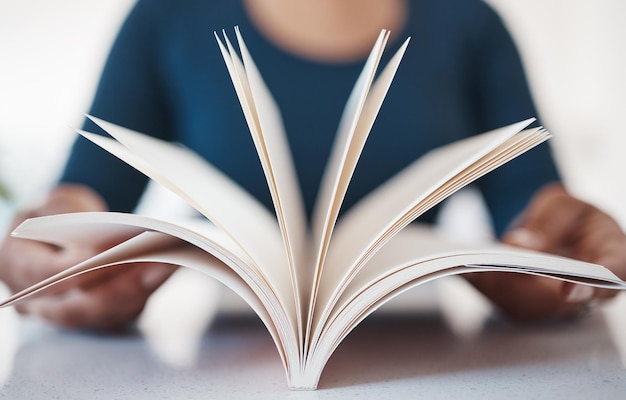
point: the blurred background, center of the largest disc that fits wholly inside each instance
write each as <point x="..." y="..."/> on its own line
<point x="51" y="54"/>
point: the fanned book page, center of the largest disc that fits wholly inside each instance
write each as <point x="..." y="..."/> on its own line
<point x="310" y="286"/>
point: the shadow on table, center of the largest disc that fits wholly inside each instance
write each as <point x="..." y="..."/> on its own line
<point x="389" y="349"/>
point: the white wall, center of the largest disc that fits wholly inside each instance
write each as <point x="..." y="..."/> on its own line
<point x="576" y="59"/>
<point x="51" y="53"/>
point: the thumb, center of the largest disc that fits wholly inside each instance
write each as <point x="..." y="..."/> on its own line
<point x="549" y="222"/>
<point x="521" y="236"/>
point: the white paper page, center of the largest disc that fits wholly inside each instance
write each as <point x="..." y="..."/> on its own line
<point x="330" y="197"/>
<point x="510" y="149"/>
<point x="279" y="169"/>
<point x="341" y="326"/>
<point x="156" y="247"/>
<point x="217" y="197"/>
<point x="79" y="228"/>
<point x="357" y="121"/>
<point x="414" y="275"/>
<point x="347" y="140"/>
<point x="95" y="228"/>
<point x="241" y="82"/>
<point x="404" y="262"/>
<point x="415" y="245"/>
<point x="190" y="257"/>
<point x="347" y="149"/>
<point x="204" y="187"/>
<point x="362" y="226"/>
<point x="107" y="257"/>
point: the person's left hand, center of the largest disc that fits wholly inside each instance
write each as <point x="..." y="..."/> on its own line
<point x="104" y="300"/>
<point x="556" y="222"/>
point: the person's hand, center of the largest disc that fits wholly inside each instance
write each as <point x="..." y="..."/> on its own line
<point x="556" y="222"/>
<point x="103" y="300"/>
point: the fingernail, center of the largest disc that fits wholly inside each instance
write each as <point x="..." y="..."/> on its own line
<point x="580" y="294"/>
<point x="523" y="237"/>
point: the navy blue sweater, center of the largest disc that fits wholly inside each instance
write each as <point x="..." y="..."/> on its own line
<point x="165" y="76"/>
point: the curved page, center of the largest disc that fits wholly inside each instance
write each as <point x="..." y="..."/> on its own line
<point x="418" y="255"/>
<point x="380" y="215"/>
<point x="357" y="121"/>
<point x="266" y="128"/>
<point x="213" y="194"/>
<point x="78" y="229"/>
<point x="156" y="247"/>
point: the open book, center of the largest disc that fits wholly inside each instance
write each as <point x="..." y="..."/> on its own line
<point x="310" y="285"/>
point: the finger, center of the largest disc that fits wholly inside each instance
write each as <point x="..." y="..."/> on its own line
<point x="527" y="297"/>
<point x="44" y="262"/>
<point x="549" y="221"/>
<point x="107" y="306"/>
<point x="600" y="239"/>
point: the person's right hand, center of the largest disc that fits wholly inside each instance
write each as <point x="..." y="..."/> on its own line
<point x="103" y="300"/>
<point x="556" y="222"/>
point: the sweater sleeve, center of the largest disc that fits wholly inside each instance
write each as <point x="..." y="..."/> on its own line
<point x="501" y="96"/>
<point x="129" y="93"/>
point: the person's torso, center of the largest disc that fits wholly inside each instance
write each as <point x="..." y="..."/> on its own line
<point x="428" y="103"/>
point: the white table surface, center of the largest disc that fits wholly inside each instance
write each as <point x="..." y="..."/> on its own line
<point x="395" y="357"/>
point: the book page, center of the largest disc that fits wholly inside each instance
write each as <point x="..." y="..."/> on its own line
<point x="370" y="298"/>
<point x="418" y="255"/>
<point x="392" y="206"/>
<point x="267" y="130"/>
<point x="213" y="194"/>
<point x="152" y="247"/>
<point x="89" y="228"/>
<point x="93" y="229"/>
<point x="201" y="185"/>
<point x="331" y="192"/>
<point x="357" y="121"/>
<point x="417" y="245"/>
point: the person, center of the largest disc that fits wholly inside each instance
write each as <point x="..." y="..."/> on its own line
<point x="461" y="76"/>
